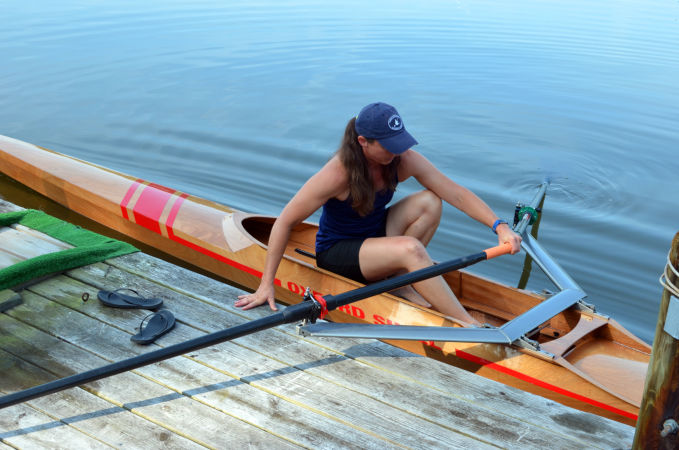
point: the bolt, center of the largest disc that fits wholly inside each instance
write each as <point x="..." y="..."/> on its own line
<point x="669" y="427"/>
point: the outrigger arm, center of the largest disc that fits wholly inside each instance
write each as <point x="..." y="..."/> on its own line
<point x="513" y="332"/>
<point x="509" y="333"/>
<point x="551" y="268"/>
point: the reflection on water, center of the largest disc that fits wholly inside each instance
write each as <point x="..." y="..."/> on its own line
<point x="240" y="103"/>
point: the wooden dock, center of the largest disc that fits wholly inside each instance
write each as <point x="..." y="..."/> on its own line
<point x="273" y="389"/>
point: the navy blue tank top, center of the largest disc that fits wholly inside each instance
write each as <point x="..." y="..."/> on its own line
<point x="339" y="221"/>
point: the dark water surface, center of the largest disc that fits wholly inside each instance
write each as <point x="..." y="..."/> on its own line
<point x="242" y="102"/>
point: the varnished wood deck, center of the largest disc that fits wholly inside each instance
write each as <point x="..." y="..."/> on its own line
<point x="272" y="389"/>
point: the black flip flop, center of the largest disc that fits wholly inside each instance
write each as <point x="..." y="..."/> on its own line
<point x="115" y="299"/>
<point x="157" y="325"/>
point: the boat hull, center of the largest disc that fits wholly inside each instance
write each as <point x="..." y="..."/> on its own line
<point x="580" y="368"/>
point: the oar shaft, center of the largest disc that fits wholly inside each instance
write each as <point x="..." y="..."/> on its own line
<point x="306" y="310"/>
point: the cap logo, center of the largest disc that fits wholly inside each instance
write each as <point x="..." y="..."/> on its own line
<point x="395" y="122"/>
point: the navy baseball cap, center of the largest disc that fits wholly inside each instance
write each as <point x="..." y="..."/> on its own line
<point x="382" y="122"/>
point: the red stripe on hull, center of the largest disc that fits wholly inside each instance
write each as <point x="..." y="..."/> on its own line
<point x="542" y="384"/>
<point x="170" y="232"/>
<point x="214" y="255"/>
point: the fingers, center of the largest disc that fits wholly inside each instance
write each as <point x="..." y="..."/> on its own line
<point x="249" y="301"/>
<point x="513" y="239"/>
<point x="515" y="242"/>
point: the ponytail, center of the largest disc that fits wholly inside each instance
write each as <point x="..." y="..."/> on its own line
<point x="361" y="185"/>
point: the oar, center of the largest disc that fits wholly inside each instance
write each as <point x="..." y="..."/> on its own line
<point x="308" y="310"/>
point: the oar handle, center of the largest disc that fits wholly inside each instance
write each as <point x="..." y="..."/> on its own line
<point x="498" y="250"/>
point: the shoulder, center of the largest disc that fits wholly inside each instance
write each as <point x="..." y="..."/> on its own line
<point x="331" y="180"/>
<point x="335" y="167"/>
<point x="413" y="164"/>
<point x="333" y="172"/>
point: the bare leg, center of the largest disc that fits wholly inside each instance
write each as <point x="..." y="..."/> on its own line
<point x="417" y="215"/>
<point x="411" y="224"/>
<point x="412" y="295"/>
<point x="381" y="257"/>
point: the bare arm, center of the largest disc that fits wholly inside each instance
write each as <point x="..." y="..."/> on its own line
<point x="416" y="165"/>
<point x="329" y="182"/>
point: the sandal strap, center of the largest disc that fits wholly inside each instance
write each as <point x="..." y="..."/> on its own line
<point x="145" y="319"/>
<point x="139" y="300"/>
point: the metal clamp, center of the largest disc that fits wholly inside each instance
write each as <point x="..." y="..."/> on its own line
<point x="670" y="426"/>
<point x="586" y="307"/>
<point x="315" y="312"/>
<point x="671" y="326"/>
<point x="530" y="344"/>
<point x="526" y="342"/>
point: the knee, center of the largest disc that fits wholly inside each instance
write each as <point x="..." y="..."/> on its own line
<point x="412" y="251"/>
<point x="431" y="202"/>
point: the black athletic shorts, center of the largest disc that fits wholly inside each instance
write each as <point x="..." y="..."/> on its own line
<point x="342" y="258"/>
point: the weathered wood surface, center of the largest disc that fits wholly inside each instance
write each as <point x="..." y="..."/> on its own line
<point x="9" y="299"/>
<point x="661" y="394"/>
<point x="18" y="243"/>
<point x="83" y="412"/>
<point x="6" y="206"/>
<point x="271" y="389"/>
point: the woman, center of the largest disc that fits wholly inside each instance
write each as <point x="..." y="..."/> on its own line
<point x="358" y="236"/>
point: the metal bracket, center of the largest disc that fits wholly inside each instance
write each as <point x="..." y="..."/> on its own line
<point x="314" y="313"/>
<point x="301" y="330"/>
<point x="308" y="297"/>
<point x="529" y="344"/>
<point x="670" y="426"/>
<point x="671" y="326"/>
<point x="526" y="342"/>
<point x="584" y="306"/>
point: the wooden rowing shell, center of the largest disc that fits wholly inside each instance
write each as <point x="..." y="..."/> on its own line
<point x="585" y="360"/>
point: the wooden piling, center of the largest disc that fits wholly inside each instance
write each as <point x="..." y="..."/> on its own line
<point x="659" y="411"/>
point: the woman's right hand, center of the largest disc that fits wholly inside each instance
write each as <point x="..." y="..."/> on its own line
<point x="263" y="294"/>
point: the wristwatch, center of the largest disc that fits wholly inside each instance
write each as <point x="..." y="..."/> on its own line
<point x="498" y="222"/>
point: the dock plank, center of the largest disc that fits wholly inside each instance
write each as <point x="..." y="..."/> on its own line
<point x="25" y="245"/>
<point x="152" y="401"/>
<point x="282" y="418"/>
<point x="47" y="241"/>
<point x="23" y="427"/>
<point x="587" y="428"/>
<point x="379" y="421"/>
<point x="6" y="206"/>
<point x="297" y="352"/>
<point x="86" y="412"/>
<point x="378" y="393"/>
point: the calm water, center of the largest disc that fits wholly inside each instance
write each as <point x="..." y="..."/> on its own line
<point x="241" y="103"/>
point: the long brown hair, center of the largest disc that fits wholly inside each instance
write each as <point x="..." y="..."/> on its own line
<point x="361" y="184"/>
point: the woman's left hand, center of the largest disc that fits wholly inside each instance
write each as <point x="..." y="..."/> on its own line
<point x="506" y="235"/>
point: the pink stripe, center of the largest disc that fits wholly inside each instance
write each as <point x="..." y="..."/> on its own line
<point x="128" y="195"/>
